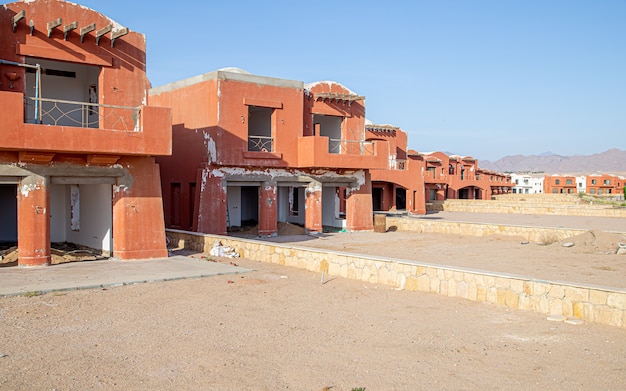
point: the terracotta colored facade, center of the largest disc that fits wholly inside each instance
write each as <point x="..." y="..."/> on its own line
<point x="400" y="185"/>
<point x="261" y="150"/>
<point x="414" y="178"/>
<point x="77" y="137"/>
<point x="604" y="184"/>
<point x="560" y="184"/>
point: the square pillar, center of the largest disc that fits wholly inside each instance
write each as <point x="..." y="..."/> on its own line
<point x="359" y="208"/>
<point x="138" y="224"/>
<point x="210" y="210"/>
<point x="313" y="208"/>
<point x="33" y="221"/>
<point x="268" y="210"/>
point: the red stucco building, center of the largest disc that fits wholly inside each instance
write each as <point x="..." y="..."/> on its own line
<point x="262" y="150"/>
<point x="77" y="135"/>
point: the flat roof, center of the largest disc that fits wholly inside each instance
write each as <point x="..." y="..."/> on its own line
<point x="241" y="76"/>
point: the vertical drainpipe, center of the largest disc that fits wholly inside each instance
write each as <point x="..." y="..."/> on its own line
<point x="38" y="94"/>
<point x="37" y="67"/>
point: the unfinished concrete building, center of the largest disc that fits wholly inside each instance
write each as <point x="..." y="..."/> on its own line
<point x="254" y="150"/>
<point x="77" y="136"/>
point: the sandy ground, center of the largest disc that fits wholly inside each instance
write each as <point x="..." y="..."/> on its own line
<point x="591" y="260"/>
<point x="279" y="328"/>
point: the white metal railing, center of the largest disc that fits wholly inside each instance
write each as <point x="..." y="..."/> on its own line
<point x="60" y="112"/>
<point x="260" y="143"/>
<point x="350" y="147"/>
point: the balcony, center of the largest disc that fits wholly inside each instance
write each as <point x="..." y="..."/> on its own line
<point x="58" y="126"/>
<point x="321" y="151"/>
<point x="59" y="112"/>
<point x="431" y="176"/>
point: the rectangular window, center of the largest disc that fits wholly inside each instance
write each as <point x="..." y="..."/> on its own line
<point x="260" y="129"/>
<point x="555" y="191"/>
<point x="607" y="181"/>
<point x="592" y="191"/>
<point x="557" y="182"/>
<point x="600" y="192"/>
<point x="568" y="182"/>
<point x="593" y="181"/>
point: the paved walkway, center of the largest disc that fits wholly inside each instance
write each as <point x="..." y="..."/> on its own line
<point x="106" y="273"/>
<point x="611" y="224"/>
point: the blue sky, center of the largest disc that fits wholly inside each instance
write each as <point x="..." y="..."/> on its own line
<point x="480" y="78"/>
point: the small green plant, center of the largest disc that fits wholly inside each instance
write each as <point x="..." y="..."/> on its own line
<point x="32" y="294"/>
<point x="358" y="389"/>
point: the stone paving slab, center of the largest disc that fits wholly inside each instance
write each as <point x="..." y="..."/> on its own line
<point x="106" y="273"/>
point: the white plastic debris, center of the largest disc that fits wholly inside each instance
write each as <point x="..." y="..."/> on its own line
<point x="219" y="250"/>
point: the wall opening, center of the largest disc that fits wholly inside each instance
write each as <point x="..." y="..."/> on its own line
<point x="330" y="126"/>
<point x="377" y="198"/>
<point x="291" y="201"/>
<point x="260" y="129"/>
<point x="82" y="215"/>
<point x="243" y="207"/>
<point x="8" y="211"/>
<point x="175" y="198"/>
<point x="400" y="198"/>
<point x="63" y="81"/>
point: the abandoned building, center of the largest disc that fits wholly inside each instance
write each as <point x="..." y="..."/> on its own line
<point x="78" y="137"/>
<point x="400" y="185"/>
<point x="249" y="149"/>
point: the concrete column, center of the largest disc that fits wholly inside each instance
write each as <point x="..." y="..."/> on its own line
<point x="138" y="223"/>
<point x="359" y="209"/>
<point x="268" y="210"/>
<point x="33" y="221"/>
<point x="313" y="208"/>
<point x="210" y="212"/>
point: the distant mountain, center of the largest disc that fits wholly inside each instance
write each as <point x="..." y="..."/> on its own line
<point x="611" y="161"/>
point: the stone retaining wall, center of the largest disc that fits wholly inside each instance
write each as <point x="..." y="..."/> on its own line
<point x="532" y="234"/>
<point x="591" y="303"/>
<point x="525" y="207"/>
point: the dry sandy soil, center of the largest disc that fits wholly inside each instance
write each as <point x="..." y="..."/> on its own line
<point x="280" y="328"/>
<point x="591" y="260"/>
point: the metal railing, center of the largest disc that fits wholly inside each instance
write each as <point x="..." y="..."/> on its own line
<point x="398" y="164"/>
<point x="60" y="112"/>
<point x="260" y="144"/>
<point x="351" y="147"/>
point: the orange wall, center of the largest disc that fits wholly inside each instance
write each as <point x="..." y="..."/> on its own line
<point x="138" y="228"/>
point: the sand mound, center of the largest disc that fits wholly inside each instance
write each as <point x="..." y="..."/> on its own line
<point x="595" y="242"/>
<point x="59" y="253"/>
<point x="285" y="229"/>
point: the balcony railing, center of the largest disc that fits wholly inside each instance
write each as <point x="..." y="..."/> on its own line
<point x="59" y="112"/>
<point x="398" y="165"/>
<point x="351" y="147"/>
<point x="260" y="143"/>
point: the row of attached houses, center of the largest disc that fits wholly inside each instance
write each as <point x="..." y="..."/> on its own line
<point x="261" y="150"/>
<point x="593" y="184"/>
<point x="90" y="155"/>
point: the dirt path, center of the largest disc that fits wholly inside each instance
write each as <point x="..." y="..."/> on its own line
<point x="279" y="328"/>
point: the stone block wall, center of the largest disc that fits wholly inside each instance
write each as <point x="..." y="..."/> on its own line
<point x="603" y="305"/>
<point x="532" y="234"/>
<point x="526" y="207"/>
